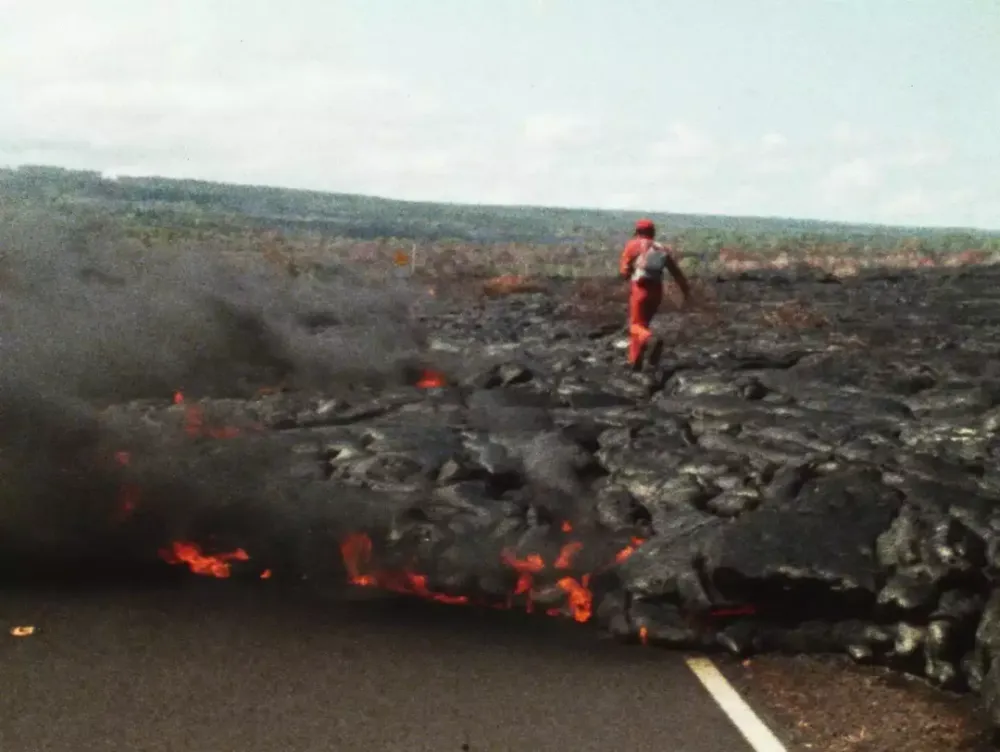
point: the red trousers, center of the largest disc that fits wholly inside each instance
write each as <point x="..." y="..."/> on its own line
<point x="644" y="300"/>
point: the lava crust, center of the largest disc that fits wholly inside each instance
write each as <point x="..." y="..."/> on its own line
<point x="812" y="483"/>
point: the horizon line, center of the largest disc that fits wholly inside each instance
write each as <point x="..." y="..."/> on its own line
<point x="106" y="174"/>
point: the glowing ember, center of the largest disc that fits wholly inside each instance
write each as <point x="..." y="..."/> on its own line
<point x="203" y="564"/>
<point x="356" y="550"/>
<point x="128" y="499"/>
<point x="566" y="555"/>
<point x="581" y="600"/>
<point x="431" y="379"/>
<point x="128" y="493"/>
<point x="194" y="422"/>
<point x="628" y="550"/>
<point x="531" y="564"/>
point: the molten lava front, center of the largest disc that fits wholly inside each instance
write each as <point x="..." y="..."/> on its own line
<point x="530" y="573"/>
<point x="356" y="551"/>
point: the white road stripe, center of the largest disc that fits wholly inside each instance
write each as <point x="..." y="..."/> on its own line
<point x="746" y="721"/>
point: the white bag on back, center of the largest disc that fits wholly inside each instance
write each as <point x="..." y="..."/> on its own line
<point x="650" y="263"/>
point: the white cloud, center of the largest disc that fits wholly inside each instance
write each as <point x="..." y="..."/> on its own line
<point x="684" y="142"/>
<point x="624" y="200"/>
<point x="915" y="205"/>
<point x="773" y="141"/>
<point x="849" y="135"/>
<point x="908" y="204"/>
<point x="748" y="198"/>
<point x="685" y="156"/>
<point x="921" y="151"/>
<point x="772" y="166"/>
<point x="557" y="130"/>
<point x="856" y="174"/>
<point x="770" y="156"/>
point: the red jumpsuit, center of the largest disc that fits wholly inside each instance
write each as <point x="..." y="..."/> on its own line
<point x="644" y="298"/>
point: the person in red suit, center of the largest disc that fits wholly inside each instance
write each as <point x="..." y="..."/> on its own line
<point x="643" y="261"/>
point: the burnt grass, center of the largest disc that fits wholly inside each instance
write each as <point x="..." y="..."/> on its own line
<point x="812" y="469"/>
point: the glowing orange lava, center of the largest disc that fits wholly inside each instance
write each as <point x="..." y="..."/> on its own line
<point x="628" y="550"/>
<point x="203" y="564"/>
<point x="356" y="551"/>
<point x="431" y="379"/>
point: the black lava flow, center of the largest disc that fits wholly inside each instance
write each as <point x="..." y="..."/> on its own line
<point x="804" y="483"/>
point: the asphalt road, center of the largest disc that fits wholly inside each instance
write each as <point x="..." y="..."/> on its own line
<point x="218" y="666"/>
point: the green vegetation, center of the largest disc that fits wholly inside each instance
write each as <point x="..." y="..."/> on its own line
<point x="447" y="237"/>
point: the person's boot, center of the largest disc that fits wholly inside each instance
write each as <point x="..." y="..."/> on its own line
<point x="655" y="353"/>
<point x="639" y="363"/>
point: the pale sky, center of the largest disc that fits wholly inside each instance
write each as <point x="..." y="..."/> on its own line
<point x="853" y="110"/>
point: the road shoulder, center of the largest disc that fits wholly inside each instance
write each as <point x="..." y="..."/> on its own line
<point x="830" y="704"/>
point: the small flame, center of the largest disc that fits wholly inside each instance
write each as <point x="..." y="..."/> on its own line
<point x="628" y="550"/>
<point x="531" y="564"/>
<point x="567" y="553"/>
<point x="356" y="551"/>
<point x="211" y="566"/>
<point x="580" y="599"/>
<point x="431" y="379"/>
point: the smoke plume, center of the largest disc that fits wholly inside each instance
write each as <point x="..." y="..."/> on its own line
<point x="87" y="324"/>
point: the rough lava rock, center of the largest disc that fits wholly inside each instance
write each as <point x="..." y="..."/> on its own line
<point x="784" y="486"/>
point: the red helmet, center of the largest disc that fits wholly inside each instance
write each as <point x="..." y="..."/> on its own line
<point x="645" y="227"/>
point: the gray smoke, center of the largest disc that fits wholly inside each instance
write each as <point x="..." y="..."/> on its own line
<point x="83" y="319"/>
<point x="87" y="324"/>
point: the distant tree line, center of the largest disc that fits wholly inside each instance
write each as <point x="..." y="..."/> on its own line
<point x="194" y="208"/>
